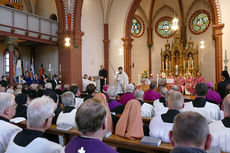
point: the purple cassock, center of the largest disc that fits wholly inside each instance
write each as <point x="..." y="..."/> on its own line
<point x="87" y="145"/>
<point x="126" y="97"/>
<point x="214" y="96"/>
<point x="113" y="104"/>
<point x="151" y="95"/>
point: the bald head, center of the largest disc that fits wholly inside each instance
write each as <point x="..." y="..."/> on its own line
<point x="227" y="106"/>
<point x="190" y="129"/>
<point x="175" y="100"/>
<point x="90" y="116"/>
<point x="163" y="91"/>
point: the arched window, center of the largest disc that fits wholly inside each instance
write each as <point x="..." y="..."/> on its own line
<point x="53" y="17"/>
<point x="199" y="22"/>
<point x="138" y="27"/>
<point x="163" y="27"/>
<point x="6" y="65"/>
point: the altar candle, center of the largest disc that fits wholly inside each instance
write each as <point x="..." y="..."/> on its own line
<point x="157" y="80"/>
<point x="49" y="69"/>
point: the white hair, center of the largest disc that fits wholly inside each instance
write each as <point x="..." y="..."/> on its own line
<point x="175" y="100"/>
<point x="39" y="110"/>
<point x="68" y="98"/>
<point x="48" y="86"/>
<point x="175" y="87"/>
<point x="10" y="90"/>
<point x="6" y="100"/>
<point x="139" y="94"/>
<point x="112" y="92"/>
<point x="129" y="88"/>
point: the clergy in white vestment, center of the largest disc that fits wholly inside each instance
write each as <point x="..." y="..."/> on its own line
<point x="146" y="109"/>
<point x="160" y="125"/>
<point x="7" y="111"/>
<point x="31" y="140"/>
<point x="220" y="130"/>
<point x="85" y="82"/>
<point x="67" y="116"/>
<point x="160" y="106"/>
<point x="209" y="110"/>
<point x="122" y="80"/>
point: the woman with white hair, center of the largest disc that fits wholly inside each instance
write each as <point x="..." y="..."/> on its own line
<point x="128" y="95"/>
<point x="40" y="113"/>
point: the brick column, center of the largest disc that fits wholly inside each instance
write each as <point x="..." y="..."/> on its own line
<point x="70" y="58"/>
<point x="127" y="56"/>
<point x="217" y="35"/>
<point x="106" y="49"/>
<point x="11" y="42"/>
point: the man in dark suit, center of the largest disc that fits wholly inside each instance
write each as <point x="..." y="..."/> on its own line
<point x="54" y="81"/>
<point x="103" y="73"/>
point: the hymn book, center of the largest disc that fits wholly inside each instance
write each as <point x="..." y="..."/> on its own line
<point x="153" y="141"/>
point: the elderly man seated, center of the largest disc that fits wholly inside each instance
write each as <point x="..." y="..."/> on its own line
<point x="92" y="123"/>
<point x="128" y="95"/>
<point x="67" y="116"/>
<point x="151" y="94"/>
<point x="39" y="117"/>
<point x="190" y="133"/>
<point x="7" y="111"/>
<point x="160" y="105"/>
<point x="146" y="109"/>
<point x="220" y="130"/>
<point x="209" y="110"/>
<point x="160" y="125"/>
<point x="114" y="105"/>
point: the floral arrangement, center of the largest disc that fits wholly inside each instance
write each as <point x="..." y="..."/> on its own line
<point x="145" y="74"/>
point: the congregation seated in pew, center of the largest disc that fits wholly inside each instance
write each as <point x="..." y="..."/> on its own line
<point x="39" y="118"/>
<point x="151" y="95"/>
<point x="76" y="91"/>
<point x="209" y="110"/>
<point x="7" y="111"/>
<point x="67" y="116"/>
<point x="128" y="95"/>
<point x="220" y="130"/>
<point x="190" y="133"/>
<point x="160" y="125"/>
<point x="92" y="124"/>
<point x="160" y="106"/>
<point x="91" y="90"/>
<point x="146" y="109"/>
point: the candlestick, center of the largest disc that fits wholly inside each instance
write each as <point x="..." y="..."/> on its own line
<point x="157" y="80"/>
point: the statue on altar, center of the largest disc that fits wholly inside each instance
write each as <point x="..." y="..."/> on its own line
<point x="177" y="59"/>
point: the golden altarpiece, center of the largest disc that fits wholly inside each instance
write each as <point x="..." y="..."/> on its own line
<point x="177" y="59"/>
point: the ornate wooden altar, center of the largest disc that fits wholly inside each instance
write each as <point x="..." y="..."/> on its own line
<point x="178" y="59"/>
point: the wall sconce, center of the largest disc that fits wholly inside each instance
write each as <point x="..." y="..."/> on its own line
<point x="67" y="41"/>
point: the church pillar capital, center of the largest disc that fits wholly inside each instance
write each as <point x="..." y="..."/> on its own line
<point x="217" y="35"/>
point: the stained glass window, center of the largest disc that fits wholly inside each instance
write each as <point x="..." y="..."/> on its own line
<point x="199" y="22"/>
<point x="163" y="27"/>
<point x="137" y="28"/>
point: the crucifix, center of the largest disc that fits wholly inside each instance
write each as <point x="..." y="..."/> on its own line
<point x="82" y="150"/>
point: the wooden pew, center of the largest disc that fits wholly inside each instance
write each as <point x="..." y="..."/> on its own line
<point x="112" y="140"/>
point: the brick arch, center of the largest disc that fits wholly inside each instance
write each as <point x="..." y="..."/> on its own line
<point x="77" y="15"/>
<point x="217" y="33"/>
<point x="61" y="15"/>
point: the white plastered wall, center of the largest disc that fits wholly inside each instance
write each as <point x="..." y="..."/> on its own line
<point x="225" y="11"/>
<point x="140" y="54"/>
<point x="206" y="55"/>
<point x="92" y="41"/>
<point x="45" y="8"/>
<point x="46" y="54"/>
<point x="116" y="25"/>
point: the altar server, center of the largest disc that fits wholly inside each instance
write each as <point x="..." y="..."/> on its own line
<point x="7" y="111"/>
<point x="31" y="140"/>
<point x="160" y="125"/>
<point x="209" y="110"/>
<point x="122" y="80"/>
<point x="220" y="130"/>
<point x="92" y="124"/>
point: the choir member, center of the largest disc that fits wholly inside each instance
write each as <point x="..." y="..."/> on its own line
<point x="160" y="125"/>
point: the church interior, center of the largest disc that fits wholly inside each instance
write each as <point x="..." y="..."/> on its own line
<point x="151" y="41"/>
